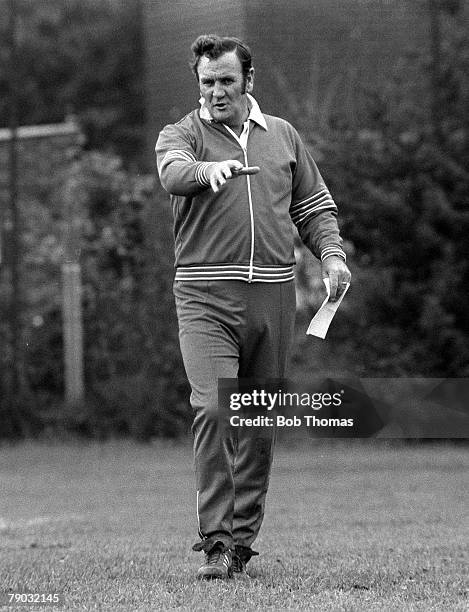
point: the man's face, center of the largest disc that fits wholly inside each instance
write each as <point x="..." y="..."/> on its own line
<point x="223" y="88"/>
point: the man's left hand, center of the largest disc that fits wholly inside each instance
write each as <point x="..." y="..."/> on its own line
<point x="335" y="269"/>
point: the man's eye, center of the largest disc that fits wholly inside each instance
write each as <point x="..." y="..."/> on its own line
<point x="207" y="83"/>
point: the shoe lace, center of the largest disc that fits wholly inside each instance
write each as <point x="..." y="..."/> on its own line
<point x="238" y="564"/>
<point x="213" y="557"/>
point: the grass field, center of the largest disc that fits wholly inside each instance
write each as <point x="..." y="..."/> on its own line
<point x="349" y="526"/>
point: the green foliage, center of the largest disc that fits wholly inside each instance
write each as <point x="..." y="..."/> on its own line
<point x="131" y="352"/>
<point x="134" y="378"/>
<point x="401" y="183"/>
<point x="78" y="56"/>
<point x="131" y="348"/>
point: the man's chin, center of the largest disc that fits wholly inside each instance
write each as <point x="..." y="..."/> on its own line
<point x="220" y="114"/>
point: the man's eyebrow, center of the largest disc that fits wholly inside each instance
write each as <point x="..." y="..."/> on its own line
<point x="211" y="77"/>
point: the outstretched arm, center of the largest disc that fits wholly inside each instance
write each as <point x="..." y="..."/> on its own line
<point x="181" y="173"/>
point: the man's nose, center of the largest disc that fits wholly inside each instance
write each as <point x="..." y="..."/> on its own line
<point x="218" y="91"/>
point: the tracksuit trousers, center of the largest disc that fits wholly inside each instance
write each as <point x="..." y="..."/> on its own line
<point x="231" y="329"/>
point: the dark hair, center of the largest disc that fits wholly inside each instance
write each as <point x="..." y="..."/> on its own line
<point x="212" y="46"/>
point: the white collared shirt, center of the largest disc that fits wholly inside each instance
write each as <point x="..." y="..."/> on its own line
<point x="255" y="115"/>
<point x="243" y="137"/>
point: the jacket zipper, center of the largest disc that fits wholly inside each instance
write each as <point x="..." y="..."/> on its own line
<point x="251" y="208"/>
<point x="251" y="213"/>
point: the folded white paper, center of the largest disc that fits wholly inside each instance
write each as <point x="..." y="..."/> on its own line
<point x="322" y="319"/>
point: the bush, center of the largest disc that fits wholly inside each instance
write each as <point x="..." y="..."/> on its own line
<point x="133" y="370"/>
<point x="400" y="180"/>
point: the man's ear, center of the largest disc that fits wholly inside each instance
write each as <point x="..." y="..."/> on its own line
<point x="250" y="81"/>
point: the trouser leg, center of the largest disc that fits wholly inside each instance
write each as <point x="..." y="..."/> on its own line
<point x="264" y="354"/>
<point x="210" y="351"/>
<point x="228" y="329"/>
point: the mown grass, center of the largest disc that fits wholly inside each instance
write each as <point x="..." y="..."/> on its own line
<point x="349" y="526"/>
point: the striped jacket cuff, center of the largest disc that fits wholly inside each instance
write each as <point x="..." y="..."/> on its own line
<point x="185" y="156"/>
<point x="333" y="250"/>
<point x="201" y="173"/>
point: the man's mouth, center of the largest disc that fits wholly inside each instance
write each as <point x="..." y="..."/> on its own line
<point x="220" y="106"/>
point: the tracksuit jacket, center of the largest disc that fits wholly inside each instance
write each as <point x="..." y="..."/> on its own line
<point x="244" y="232"/>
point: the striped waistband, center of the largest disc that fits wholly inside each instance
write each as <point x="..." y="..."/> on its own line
<point x="260" y="274"/>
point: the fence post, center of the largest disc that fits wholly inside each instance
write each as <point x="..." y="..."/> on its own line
<point x="72" y="332"/>
<point x="72" y="293"/>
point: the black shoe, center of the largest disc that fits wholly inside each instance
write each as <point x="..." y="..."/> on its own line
<point x="241" y="556"/>
<point x="218" y="563"/>
<point x="239" y="568"/>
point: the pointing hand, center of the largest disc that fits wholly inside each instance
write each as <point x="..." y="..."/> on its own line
<point x="218" y="173"/>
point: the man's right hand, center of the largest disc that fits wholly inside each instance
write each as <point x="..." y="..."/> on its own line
<point x="219" y="172"/>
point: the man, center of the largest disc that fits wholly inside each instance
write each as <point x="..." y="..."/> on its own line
<point x="237" y="179"/>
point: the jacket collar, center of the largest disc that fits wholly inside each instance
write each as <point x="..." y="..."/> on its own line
<point x="255" y="113"/>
